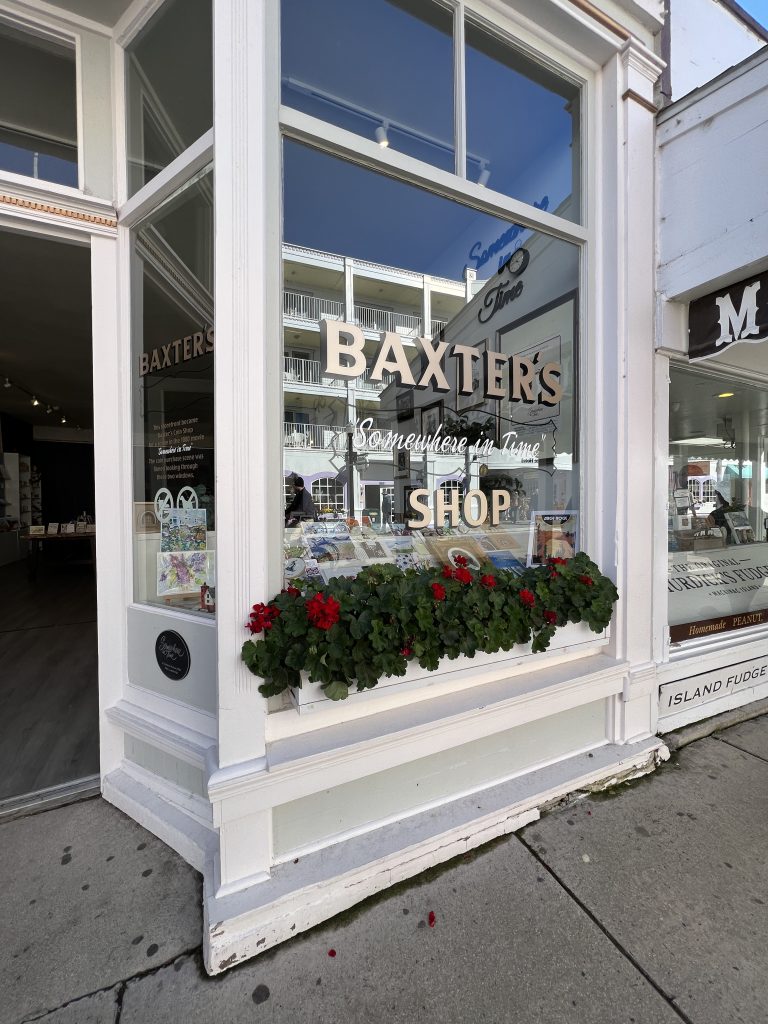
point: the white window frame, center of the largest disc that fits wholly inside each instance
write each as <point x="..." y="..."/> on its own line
<point x="45" y="28"/>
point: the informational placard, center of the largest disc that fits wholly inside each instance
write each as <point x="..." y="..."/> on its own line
<point x="713" y="592"/>
<point x="172" y="654"/>
<point x="709" y="686"/>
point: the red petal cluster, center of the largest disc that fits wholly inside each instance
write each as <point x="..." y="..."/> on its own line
<point x="462" y="575"/>
<point x="261" y="617"/>
<point x="586" y="580"/>
<point x="323" y="611"/>
<point x="447" y="572"/>
<point x="488" y="581"/>
<point x="558" y="561"/>
<point x="550" y="617"/>
<point x="293" y="591"/>
<point x="527" y="598"/>
<point x="461" y="560"/>
<point x="407" y="652"/>
<point x="438" y="591"/>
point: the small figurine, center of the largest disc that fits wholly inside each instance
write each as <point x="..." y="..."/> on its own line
<point x="207" y="598"/>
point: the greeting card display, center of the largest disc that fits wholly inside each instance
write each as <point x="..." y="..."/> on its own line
<point x="184" y="529"/>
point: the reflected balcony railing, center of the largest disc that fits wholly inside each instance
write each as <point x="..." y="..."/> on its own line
<point x="437" y="326"/>
<point x="311" y="435"/>
<point x="371" y="319"/>
<point x="310" y="307"/>
<point x="306" y="371"/>
<point x="365" y="383"/>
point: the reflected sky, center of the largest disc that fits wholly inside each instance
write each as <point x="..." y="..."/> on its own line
<point x="335" y="206"/>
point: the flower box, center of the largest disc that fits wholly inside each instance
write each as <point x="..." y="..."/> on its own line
<point x="309" y="697"/>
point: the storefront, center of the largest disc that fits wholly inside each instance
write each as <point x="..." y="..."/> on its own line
<point x="714" y="362"/>
<point x="425" y="295"/>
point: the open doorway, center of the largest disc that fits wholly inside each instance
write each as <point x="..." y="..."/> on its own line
<point x="48" y="648"/>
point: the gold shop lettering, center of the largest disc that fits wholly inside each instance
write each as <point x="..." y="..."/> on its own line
<point x="531" y="380"/>
<point x="179" y="351"/>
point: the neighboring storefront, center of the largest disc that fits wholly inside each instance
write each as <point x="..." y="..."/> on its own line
<point x="713" y="353"/>
<point x="425" y="293"/>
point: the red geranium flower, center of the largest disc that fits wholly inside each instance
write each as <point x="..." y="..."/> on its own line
<point x="461" y="560"/>
<point x="488" y="581"/>
<point x="550" y="617"/>
<point x="323" y="611"/>
<point x="586" y="580"/>
<point x="447" y="572"/>
<point x="438" y="591"/>
<point x="261" y="618"/>
<point x="293" y="591"/>
<point x="406" y="652"/>
<point x="527" y="598"/>
<point x="558" y="561"/>
<point x="463" y="575"/>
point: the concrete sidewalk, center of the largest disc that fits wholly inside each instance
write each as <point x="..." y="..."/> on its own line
<point x="647" y="904"/>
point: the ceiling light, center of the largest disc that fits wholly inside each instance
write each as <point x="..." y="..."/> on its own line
<point x="7" y="383"/>
<point x="482" y="178"/>
<point x="726" y="394"/>
<point x="381" y="135"/>
<point x="48" y="410"/>
<point x="63" y="419"/>
<point x="717" y="442"/>
<point x="35" y="401"/>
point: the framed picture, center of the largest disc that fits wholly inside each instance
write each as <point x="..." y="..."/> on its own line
<point x="431" y="417"/>
<point x="404" y="406"/>
<point x="403" y="462"/>
<point x="553" y="535"/>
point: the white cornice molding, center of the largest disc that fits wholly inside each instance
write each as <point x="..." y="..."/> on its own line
<point x="637" y="57"/>
<point x="56" y="205"/>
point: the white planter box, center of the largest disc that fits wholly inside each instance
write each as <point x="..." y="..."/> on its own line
<point x="572" y="637"/>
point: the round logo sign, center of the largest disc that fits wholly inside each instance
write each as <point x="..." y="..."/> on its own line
<point x="172" y="654"/>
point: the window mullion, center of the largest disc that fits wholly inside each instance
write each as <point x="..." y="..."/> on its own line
<point x="459" y="105"/>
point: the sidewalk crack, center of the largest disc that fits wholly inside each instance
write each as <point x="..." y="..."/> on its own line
<point x="120" y="987"/>
<point x="735" y="746"/>
<point x="669" y="1000"/>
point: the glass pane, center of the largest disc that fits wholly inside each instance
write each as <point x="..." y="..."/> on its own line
<point x="169" y="86"/>
<point x="523" y="126"/>
<point x="428" y="413"/>
<point x="173" y="455"/>
<point x="382" y="69"/>
<point x="38" y="108"/>
<point x="717" y="504"/>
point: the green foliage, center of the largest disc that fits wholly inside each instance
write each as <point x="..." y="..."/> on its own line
<point x="387" y="617"/>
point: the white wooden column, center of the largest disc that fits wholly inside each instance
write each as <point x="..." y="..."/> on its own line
<point x="247" y="389"/>
<point x="627" y="380"/>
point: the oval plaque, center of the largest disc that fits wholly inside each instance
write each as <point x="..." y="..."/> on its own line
<point x="172" y="654"/>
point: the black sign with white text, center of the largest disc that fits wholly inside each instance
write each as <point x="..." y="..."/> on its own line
<point x="728" y="316"/>
<point x="172" y="653"/>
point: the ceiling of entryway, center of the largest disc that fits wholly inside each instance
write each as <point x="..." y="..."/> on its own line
<point x="45" y="330"/>
<point x="108" y="12"/>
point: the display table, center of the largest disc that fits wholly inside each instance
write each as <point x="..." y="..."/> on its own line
<point x="36" y="541"/>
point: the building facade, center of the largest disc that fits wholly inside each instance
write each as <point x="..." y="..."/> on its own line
<point x="426" y="292"/>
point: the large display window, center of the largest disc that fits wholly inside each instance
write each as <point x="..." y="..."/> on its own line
<point x="174" y="513"/>
<point x="431" y="414"/>
<point x="717" y="504"/>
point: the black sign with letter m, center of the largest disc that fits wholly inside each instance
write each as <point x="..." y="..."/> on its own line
<point x="728" y="316"/>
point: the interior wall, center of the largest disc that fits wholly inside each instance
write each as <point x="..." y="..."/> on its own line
<point x="67" y="480"/>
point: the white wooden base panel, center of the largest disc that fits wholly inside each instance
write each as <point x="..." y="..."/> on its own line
<point x="298" y="896"/>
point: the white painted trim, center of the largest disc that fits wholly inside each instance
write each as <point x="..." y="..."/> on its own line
<point x="119" y="121"/>
<point x="169" y="708"/>
<point x="167" y="735"/>
<point x="127" y="788"/>
<point x="79" y="113"/>
<point x="339" y="142"/>
<point x="310" y="763"/>
<point x="139" y="14"/>
<point x="37" y="15"/>
<point x="111" y="432"/>
<point x="300" y="895"/>
<point x="459" y="95"/>
<point x="32" y="222"/>
<point x="56" y="195"/>
<point x="164" y="184"/>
